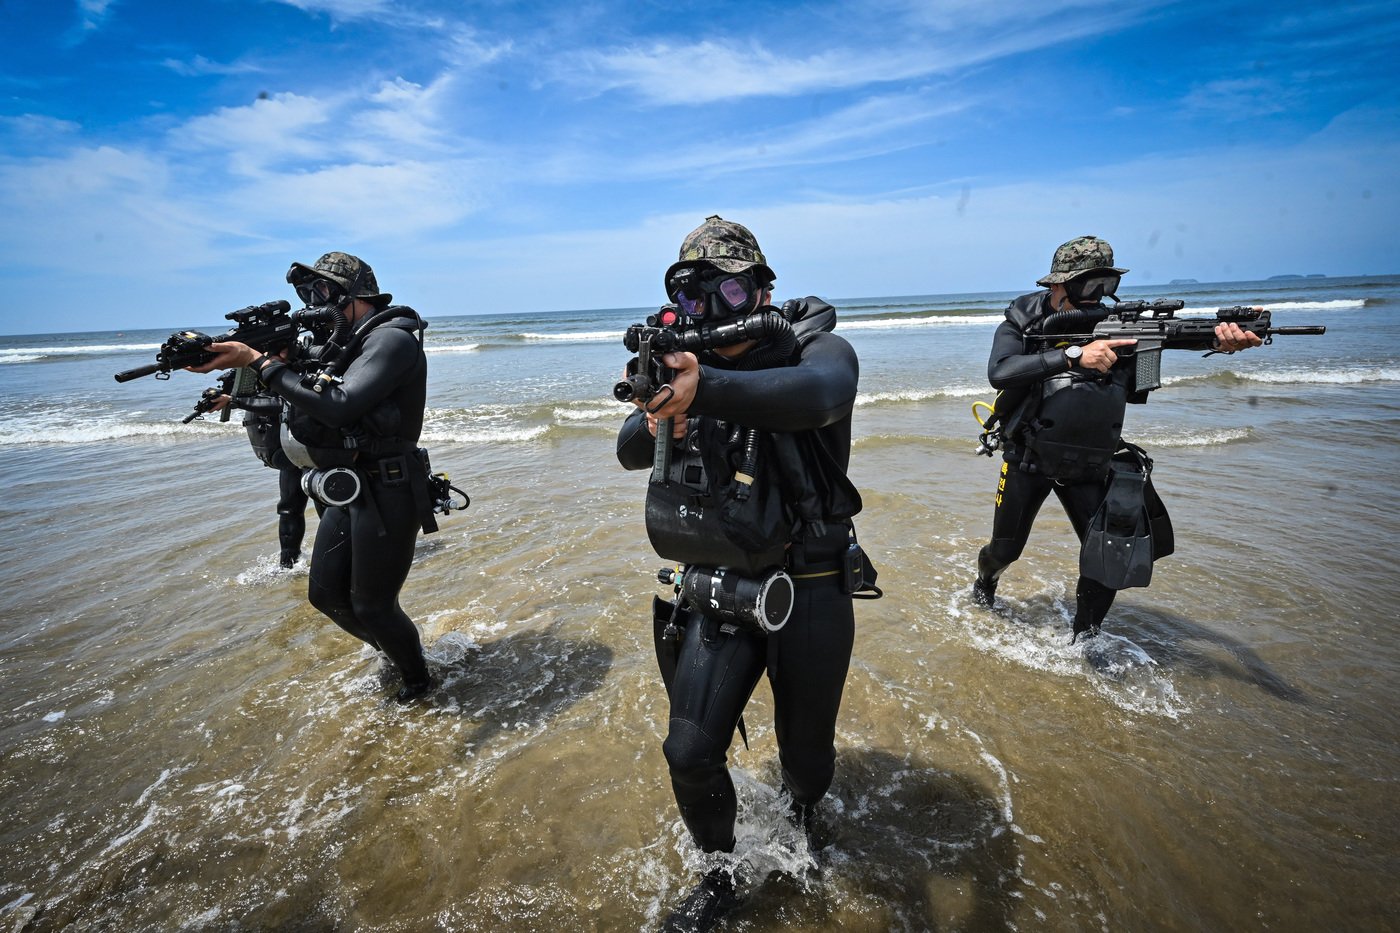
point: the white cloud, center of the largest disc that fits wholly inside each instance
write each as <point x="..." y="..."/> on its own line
<point x="1245" y="97"/>
<point x="870" y="127"/>
<point x="469" y="50"/>
<point x="265" y="132"/>
<point x="343" y="9"/>
<point x="93" y="13"/>
<point x="710" y="70"/>
<point x="403" y="199"/>
<point x="200" y="66"/>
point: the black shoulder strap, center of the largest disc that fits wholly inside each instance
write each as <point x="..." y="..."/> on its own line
<point x="809" y="316"/>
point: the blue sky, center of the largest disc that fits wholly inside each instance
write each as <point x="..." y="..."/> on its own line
<point x="161" y="162"/>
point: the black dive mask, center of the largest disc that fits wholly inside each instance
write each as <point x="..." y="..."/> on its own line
<point x="1087" y="291"/>
<point x="321" y="293"/>
<point x="711" y="296"/>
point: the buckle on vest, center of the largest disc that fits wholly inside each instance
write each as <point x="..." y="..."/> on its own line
<point x="391" y="471"/>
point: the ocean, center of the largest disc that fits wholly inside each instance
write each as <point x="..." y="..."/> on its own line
<point x="185" y="744"/>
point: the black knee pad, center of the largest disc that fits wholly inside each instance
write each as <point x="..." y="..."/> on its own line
<point x="690" y="753"/>
<point x="997" y="556"/>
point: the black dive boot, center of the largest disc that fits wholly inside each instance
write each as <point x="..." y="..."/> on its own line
<point x="289" y="557"/>
<point x="984" y="588"/>
<point x="703" y="908"/>
<point x="817" y="832"/>
<point x="984" y="593"/>
<point x="414" y="688"/>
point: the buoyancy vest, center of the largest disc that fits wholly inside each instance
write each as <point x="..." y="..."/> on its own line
<point x="376" y="434"/>
<point x="1067" y="426"/>
<point x="701" y="515"/>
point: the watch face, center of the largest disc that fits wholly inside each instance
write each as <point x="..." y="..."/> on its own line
<point x="1074" y="353"/>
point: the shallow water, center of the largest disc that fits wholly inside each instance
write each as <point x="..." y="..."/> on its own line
<point x="187" y="745"/>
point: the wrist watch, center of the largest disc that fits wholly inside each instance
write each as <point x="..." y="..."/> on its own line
<point x="1073" y="354"/>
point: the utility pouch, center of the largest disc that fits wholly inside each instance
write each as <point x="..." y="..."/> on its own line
<point x="858" y="574"/>
<point x="1117" y="549"/>
<point x="668" y="622"/>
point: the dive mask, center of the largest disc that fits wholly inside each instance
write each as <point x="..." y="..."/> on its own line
<point x="700" y="294"/>
<point x="1086" y="291"/>
<point x="319" y="293"/>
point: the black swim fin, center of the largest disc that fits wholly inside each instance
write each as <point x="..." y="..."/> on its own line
<point x="1117" y="550"/>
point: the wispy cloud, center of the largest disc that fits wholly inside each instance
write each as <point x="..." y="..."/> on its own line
<point x="93" y="13"/>
<point x="666" y="73"/>
<point x="199" y="66"/>
<point x="343" y="9"/>
<point x="1255" y="96"/>
<point x="874" y="126"/>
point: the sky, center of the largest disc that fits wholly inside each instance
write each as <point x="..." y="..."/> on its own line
<point x="162" y="163"/>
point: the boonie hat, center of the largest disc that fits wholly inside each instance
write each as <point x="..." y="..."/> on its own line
<point x="1079" y="256"/>
<point x="349" y="272"/>
<point x="723" y="244"/>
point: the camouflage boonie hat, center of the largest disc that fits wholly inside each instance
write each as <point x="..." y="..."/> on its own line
<point x="349" y="272"/>
<point x="723" y="244"/>
<point x="1080" y="255"/>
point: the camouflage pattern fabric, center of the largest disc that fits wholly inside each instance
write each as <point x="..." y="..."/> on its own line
<point x="349" y="272"/>
<point x="1079" y="256"/>
<point x="723" y="244"/>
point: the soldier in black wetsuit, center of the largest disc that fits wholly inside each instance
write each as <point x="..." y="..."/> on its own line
<point x="1082" y="273"/>
<point x="366" y="421"/>
<point x="806" y="389"/>
<point x="262" y="420"/>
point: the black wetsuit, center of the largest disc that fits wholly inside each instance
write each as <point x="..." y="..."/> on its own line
<point x="1021" y="493"/>
<point x="363" y="551"/>
<point x="291" y="510"/>
<point x="806" y="661"/>
<point x="262" y="422"/>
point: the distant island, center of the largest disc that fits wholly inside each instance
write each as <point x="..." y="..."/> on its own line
<point x="1183" y="282"/>
<point x="1291" y="275"/>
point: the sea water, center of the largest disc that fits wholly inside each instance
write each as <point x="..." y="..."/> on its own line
<point x="186" y="745"/>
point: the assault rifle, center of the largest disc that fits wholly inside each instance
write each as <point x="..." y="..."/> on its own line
<point x="647" y="377"/>
<point x="235" y="383"/>
<point x="1155" y="327"/>
<point x="267" y="328"/>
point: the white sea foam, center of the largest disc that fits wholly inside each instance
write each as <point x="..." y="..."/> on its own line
<point x="1325" y="377"/>
<point x="1034" y="634"/>
<point x="452" y="348"/>
<point x="1192" y="439"/>
<point x="62" y="429"/>
<point x="919" y="395"/>
<point x="596" y="336"/>
<point x="594" y="413"/>
<point x="1338" y="375"/>
<point x="935" y="320"/>
<point x="28" y="354"/>
<point x="465" y="434"/>
<point x="1337" y="304"/>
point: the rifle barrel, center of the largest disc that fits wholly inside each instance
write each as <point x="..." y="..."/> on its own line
<point x="137" y="373"/>
<point x="1313" y="330"/>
